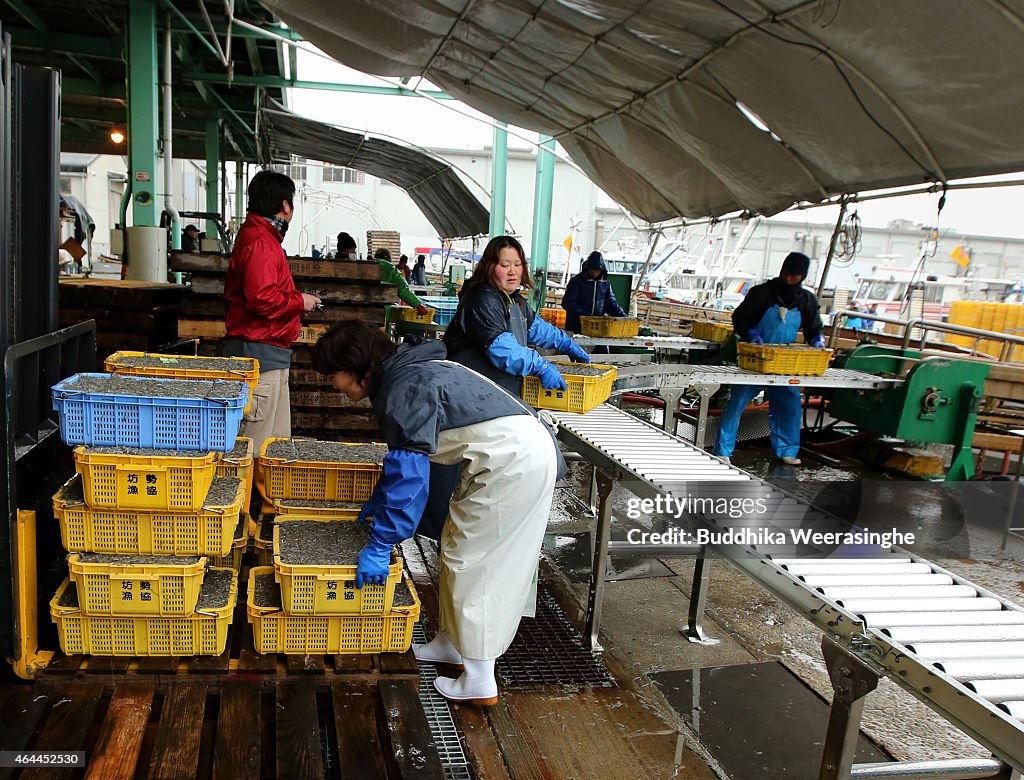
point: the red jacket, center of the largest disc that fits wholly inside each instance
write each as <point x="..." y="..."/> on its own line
<point x="260" y="299"/>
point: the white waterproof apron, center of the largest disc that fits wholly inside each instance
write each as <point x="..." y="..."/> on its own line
<point x="492" y="539"/>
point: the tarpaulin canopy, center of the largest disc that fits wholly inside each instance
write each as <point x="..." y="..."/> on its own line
<point x="705" y="107"/>
<point x="430" y="181"/>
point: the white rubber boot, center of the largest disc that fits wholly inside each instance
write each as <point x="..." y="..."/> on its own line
<point x="439" y="650"/>
<point x="474" y="686"/>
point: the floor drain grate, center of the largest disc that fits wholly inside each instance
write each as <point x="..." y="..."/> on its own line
<point x="548" y="650"/>
<point x="446" y="737"/>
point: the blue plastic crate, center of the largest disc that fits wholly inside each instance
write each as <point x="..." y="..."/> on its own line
<point x="141" y="420"/>
<point x="444" y="308"/>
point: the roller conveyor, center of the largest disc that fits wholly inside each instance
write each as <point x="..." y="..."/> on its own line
<point x="652" y="342"/>
<point x="946" y="640"/>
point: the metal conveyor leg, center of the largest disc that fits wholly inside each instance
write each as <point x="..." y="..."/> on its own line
<point x="694" y="630"/>
<point x="592" y="494"/>
<point x="851" y="681"/>
<point x="604" y="484"/>
<point x="705" y="392"/>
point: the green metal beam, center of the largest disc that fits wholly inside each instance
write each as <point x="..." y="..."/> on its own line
<point x="84" y="45"/>
<point x="237" y="31"/>
<point x="192" y="28"/>
<point x="143" y="116"/>
<point x="25" y="11"/>
<point x="499" y="179"/>
<point x="212" y="171"/>
<point x="283" y="83"/>
<point x="106" y="89"/>
<point x="543" y="191"/>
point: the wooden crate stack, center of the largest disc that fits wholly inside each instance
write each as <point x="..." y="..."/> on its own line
<point x="300" y="606"/>
<point x="384" y="239"/>
<point x="128" y="314"/>
<point x="349" y="289"/>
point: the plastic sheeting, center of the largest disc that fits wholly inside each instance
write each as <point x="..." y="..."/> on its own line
<point x="643" y="94"/>
<point x="432" y="183"/>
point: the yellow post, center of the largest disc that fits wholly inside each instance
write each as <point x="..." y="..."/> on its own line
<point x="29" y="658"/>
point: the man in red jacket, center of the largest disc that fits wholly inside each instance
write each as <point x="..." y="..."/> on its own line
<point x="263" y="306"/>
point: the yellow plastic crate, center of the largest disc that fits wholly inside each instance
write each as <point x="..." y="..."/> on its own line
<point x="275" y="631"/>
<point x="555" y="316"/>
<point x="409" y="314"/>
<point x="144" y="481"/>
<point x="582" y="394"/>
<point x="610" y="327"/>
<point x="783" y="359"/>
<point x="177" y="367"/>
<point x="238" y="462"/>
<point x="201" y="633"/>
<point x="329" y="590"/>
<point x="306" y="506"/>
<point x="136" y="590"/>
<point x="318" y="480"/>
<point x="719" y="332"/>
<point x="233" y="560"/>
<point x="263" y="542"/>
<point x="208" y="531"/>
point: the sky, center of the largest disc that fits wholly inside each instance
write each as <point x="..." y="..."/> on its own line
<point x="997" y="211"/>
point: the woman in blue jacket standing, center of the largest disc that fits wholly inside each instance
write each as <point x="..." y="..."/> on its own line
<point x="589" y="294"/>
<point x="772" y="313"/>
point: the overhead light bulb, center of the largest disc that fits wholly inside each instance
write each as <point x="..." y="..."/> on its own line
<point x="117" y="136"/>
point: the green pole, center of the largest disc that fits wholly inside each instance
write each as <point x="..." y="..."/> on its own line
<point x="499" y="179"/>
<point x="543" y="189"/>
<point x="142" y="110"/>
<point x="212" y="171"/>
<point x="239" y="195"/>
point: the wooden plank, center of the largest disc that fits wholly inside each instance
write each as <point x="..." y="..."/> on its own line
<point x="360" y="754"/>
<point x="23" y="706"/>
<point x="215" y="329"/>
<point x="398" y="663"/>
<point x="307" y="376"/>
<point x="63" y="664"/>
<point x="299" y="752"/>
<point x="176" y="749"/>
<point x="348" y="311"/>
<point x="305" y="664"/>
<point x="237" y="746"/>
<point x="204" y="664"/>
<point x="412" y="746"/>
<point x="327" y="291"/>
<point x="66" y="727"/>
<point x="328" y="399"/>
<point x="110" y="664"/>
<point x="482" y="749"/>
<point x="997" y="441"/>
<point x="117" y="748"/>
<point x="353" y="664"/>
<point x="301" y="268"/>
<point x="158" y="664"/>
<point x="251" y="661"/>
<point x="338" y="421"/>
<point x="136" y="296"/>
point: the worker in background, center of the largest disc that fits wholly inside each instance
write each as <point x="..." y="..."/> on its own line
<point x="435" y="411"/>
<point x="589" y="294"/>
<point x="263" y="308"/>
<point x="494" y="323"/>
<point x="190" y="239"/>
<point x="772" y="313"/>
<point x="419" y="271"/>
<point x="403" y="267"/>
<point x="388" y="273"/>
<point x="854" y="322"/>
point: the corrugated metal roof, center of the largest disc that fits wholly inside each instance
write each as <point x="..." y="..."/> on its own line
<point x="430" y="181"/>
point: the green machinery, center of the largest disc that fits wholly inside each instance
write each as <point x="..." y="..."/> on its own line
<point x="937" y="401"/>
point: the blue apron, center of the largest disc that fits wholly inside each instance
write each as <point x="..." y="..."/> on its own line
<point x="778" y="325"/>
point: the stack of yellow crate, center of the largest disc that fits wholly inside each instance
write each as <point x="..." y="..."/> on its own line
<point x="306" y="602"/>
<point x="141" y="527"/>
<point x="999" y="317"/>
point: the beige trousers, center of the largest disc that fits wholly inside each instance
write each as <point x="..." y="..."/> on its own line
<point x="269" y="416"/>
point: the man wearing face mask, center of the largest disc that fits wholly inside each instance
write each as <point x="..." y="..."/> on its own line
<point x="263" y="307"/>
<point x="773" y="313"/>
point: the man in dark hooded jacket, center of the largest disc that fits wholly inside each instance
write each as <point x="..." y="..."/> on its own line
<point x="589" y="294"/>
<point x="772" y="313"/>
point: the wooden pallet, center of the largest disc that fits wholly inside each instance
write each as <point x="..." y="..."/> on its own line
<point x="298" y="728"/>
<point x="301" y="268"/>
<point x="339" y="292"/>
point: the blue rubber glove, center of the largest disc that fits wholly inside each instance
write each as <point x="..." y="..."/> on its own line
<point x="368" y="510"/>
<point x="576" y="353"/>
<point x="374" y="563"/>
<point x="754" y="336"/>
<point x="819" y="341"/>
<point x="549" y="377"/>
<point x="512" y="357"/>
<point x="400" y="496"/>
<point x="544" y="334"/>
